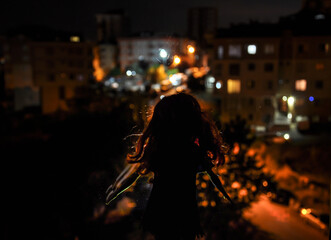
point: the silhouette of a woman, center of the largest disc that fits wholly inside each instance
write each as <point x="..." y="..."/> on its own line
<point x="178" y="142"/>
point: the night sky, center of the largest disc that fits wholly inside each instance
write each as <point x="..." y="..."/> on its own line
<point x="146" y="15"/>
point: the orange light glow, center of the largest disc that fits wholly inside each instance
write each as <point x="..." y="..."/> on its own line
<point x="265" y="183"/>
<point x="235" y="185"/>
<point x="190" y="49"/>
<point x="305" y="211"/>
<point x="243" y="192"/>
<point x="98" y="71"/>
<point x="177" y="60"/>
<point x="204" y="203"/>
<point x="236" y="148"/>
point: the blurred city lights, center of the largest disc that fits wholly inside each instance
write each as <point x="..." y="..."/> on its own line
<point x="286" y="136"/>
<point x="265" y="183"/>
<point x="128" y="73"/>
<point x="74" y="39"/>
<point x="311" y="99"/>
<point x="235" y="185"/>
<point x="115" y="85"/>
<point x="218" y="85"/>
<point x="163" y="53"/>
<point x="251" y="49"/>
<point x="236" y="149"/>
<point x="190" y="49"/>
<point x="305" y="211"/>
<point x="284" y="98"/>
<point x="289" y="115"/>
<point x="177" y="59"/>
<point x="290" y="101"/>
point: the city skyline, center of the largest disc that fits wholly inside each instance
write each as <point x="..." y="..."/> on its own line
<point x="168" y="16"/>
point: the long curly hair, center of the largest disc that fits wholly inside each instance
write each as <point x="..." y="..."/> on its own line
<point x="178" y="118"/>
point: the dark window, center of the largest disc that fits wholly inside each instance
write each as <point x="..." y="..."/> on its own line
<point x="268" y="67"/>
<point x="51" y="77"/>
<point x="218" y="69"/>
<point x="301" y="48"/>
<point x="251" y="66"/>
<point x="50" y="64"/>
<point x="270" y="85"/>
<point x="49" y="51"/>
<point x="267" y="102"/>
<point x="234" y="69"/>
<point x="251" y="84"/>
<point x="62" y="92"/>
<point x="319" y="84"/>
<point x="323" y="47"/>
<point x="72" y="76"/>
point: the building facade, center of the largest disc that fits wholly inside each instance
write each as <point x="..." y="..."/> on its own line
<point x="59" y="68"/>
<point x="154" y="49"/>
<point x="45" y="71"/>
<point x="272" y="74"/>
<point x="246" y="76"/>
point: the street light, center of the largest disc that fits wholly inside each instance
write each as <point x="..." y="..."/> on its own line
<point x="177" y="60"/>
<point x="163" y="53"/>
<point x="190" y="49"/>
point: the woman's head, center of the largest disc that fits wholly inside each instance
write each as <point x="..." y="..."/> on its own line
<point x="178" y="118"/>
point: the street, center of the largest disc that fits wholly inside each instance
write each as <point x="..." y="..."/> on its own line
<point x="280" y="221"/>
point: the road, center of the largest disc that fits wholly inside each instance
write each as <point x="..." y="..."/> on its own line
<point x="281" y="222"/>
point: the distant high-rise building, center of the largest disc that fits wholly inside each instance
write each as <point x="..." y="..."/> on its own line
<point x="201" y="21"/>
<point x="111" y="25"/>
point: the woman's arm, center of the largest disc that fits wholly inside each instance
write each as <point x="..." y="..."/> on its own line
<point x="217" y="183"/>
<point x="125" y="180"/>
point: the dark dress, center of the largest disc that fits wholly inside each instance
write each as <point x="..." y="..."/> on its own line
<point x="172" y="207"/>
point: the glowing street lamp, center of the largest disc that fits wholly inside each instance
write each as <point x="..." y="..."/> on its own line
<point x="190" y="49"/>
<point x="290" y="101"/>
<point x="163" y="53"/>
<point x="177" y="60"/>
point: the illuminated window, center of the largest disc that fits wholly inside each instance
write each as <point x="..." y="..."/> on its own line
<point x="301" y="85"/>
<point x="319" y="66"/>
<point x="233" y="86"/>
<point x="251" y="49"/>
<point x="235" y="51"/>
<point x="269" y="49"/>
<point x="220" y="52"/>
<point x="74" y="39"/>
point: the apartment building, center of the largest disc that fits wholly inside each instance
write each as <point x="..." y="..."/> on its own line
<point x="154" y="49"/>
<point x="275" y="73"/>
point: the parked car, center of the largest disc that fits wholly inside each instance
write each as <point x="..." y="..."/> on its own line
<point x="315" y="219"/>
